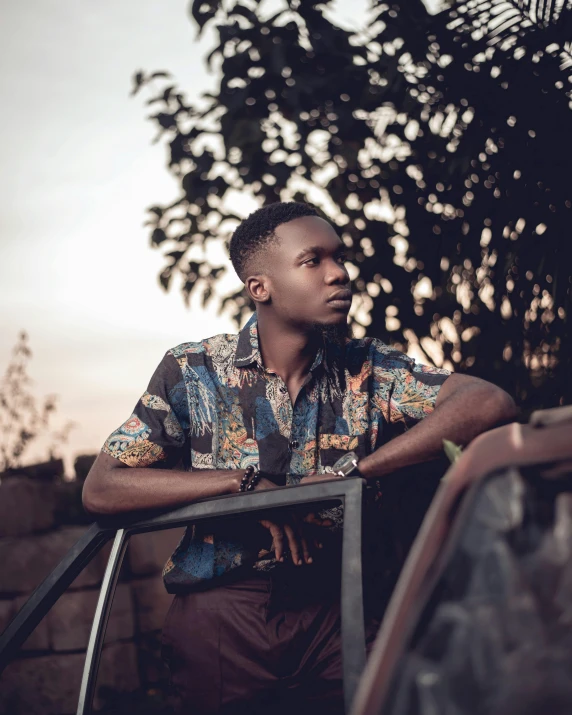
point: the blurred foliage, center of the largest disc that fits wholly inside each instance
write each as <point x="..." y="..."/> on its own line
<point x="453" y="451"/>
<point x="23" y="418"/>
<point x="437" y="144"/>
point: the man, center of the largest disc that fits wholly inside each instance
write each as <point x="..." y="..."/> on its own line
<point x="256" y="625"/>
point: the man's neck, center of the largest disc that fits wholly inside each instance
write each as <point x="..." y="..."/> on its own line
<point x="285" y="349"/>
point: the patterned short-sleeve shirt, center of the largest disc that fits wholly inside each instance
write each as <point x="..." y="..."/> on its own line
<point x="213" y="405"/>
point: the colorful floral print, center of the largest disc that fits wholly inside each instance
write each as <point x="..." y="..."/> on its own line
<point x="212" y="405"/>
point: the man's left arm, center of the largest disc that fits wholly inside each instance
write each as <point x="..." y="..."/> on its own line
<point x="465" y="407"/>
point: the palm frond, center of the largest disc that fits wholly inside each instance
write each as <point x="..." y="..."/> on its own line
<point x="503" y="22"/>
<point x="566" y="56"/>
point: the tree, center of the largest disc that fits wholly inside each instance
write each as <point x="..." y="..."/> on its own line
<point x="436" y="143"/>
<point x="22" y="418"/>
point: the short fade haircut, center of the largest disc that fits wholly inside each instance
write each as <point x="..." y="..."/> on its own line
<point x="258" y="231"/>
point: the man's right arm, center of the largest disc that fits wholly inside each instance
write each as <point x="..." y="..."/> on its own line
<point x="112" y="487"/>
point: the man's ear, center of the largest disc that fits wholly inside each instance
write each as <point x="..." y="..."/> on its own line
<point x="258" y="288"/>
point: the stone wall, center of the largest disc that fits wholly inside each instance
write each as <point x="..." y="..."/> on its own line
<point x="44" y="679"/>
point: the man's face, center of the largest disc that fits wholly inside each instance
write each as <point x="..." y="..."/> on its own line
<point x="309" y="284"/>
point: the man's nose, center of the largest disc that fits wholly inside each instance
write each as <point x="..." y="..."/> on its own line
<point x="337" y="274"/>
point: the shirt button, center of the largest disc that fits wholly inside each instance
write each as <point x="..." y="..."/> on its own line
<point x="294" y="444"/>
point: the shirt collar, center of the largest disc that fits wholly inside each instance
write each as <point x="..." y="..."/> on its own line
<point x="248" y="348"/>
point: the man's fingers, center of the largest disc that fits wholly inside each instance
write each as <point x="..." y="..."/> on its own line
<point x="300" y="550"/>
<point x="305" y="550"/>
<point x="292" y="537"/>
<point x="277" y="541"/>
<point x="293" y="543"/>
<point x="316" y="521"/>
<point x="277" y="538"/>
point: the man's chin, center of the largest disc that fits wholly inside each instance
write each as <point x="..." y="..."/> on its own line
<point x="334" y="332"/>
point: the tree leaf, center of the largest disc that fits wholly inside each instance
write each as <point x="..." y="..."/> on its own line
<point x="452" y="450"/>
<point x="158" y="236"/>
<point x="202" y="11"/>
<point x="138" y="81"/>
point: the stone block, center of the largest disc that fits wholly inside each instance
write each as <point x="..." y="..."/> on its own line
<point x="83" y="463"/>
<point x="151" y="603"/>
<point x="26" y="506"/>
<point x="71" y="618"/>
<point x="39" y="638"/>
<point x="28" y="560"/>
<point x="70" y="511"/>
<point x="118" y="672"/>
<point x="68" y="623"/>
<point x="7" y="612"/>
<point x="42" y="470"/>
<point x="149" y="552"/>
<point x="121" y="624"/>
<point x="47" y="685"/>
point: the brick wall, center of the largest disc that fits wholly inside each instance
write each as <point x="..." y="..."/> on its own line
<point x="44" y="679"/>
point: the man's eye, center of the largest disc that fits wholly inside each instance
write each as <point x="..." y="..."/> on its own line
<point x="342" y="258"/>
<point x="315" y="260"/>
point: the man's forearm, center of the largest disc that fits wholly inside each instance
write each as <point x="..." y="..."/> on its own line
<point x="111" y="488"/>
<point x="466" y="413"/>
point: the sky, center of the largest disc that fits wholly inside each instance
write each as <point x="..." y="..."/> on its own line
<point x="77" y="172"/>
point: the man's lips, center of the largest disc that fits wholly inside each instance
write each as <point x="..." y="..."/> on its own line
<point x="341" y="299"/>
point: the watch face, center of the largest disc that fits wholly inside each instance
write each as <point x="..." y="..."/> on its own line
<point x="346" y="464"/>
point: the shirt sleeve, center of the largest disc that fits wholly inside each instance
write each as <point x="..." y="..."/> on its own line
<point x="405" y="391"/>
<point x="156" y="432"/>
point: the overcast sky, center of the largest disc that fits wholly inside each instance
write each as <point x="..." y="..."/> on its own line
<point x="77" y="172"/>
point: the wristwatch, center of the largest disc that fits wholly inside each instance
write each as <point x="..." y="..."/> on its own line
<point x="347" y="466"/>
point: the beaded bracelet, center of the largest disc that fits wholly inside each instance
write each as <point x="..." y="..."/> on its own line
<point x="246" y="479"/>
<point x="254" y="481"/>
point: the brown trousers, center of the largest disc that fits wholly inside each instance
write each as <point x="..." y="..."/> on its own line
<point x="265" y="644"/>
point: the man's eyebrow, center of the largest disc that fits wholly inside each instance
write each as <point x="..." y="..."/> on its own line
<point x="309" y="249"/>
<point x="318" y="249"/>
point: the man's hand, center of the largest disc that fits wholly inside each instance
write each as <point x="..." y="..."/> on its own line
<point x="294" y="534"/>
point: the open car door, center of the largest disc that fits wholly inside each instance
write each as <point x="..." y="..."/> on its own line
<point x="480" y="622"/>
